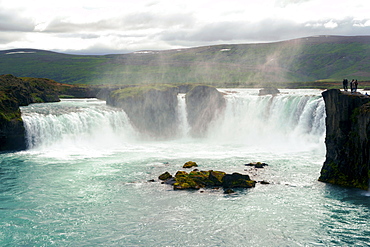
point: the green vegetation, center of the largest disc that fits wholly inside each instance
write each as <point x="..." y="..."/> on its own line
<point x="332" y="174"/>
<point x="319" y="62"/>
<point x="139" y="91"/>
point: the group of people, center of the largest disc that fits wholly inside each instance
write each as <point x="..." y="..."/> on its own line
<point x="353" y="85"/>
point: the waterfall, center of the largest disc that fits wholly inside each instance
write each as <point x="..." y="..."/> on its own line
<point x="288" y="119"/>
<point x="75" y="124"/>
<point x="182" y="115"/>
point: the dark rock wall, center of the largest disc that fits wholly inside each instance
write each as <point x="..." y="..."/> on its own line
<point x="347" y="139"/>
<point x="154" y="111"/>
<point x="203" y="104"/>
<point x="15" y="92"/>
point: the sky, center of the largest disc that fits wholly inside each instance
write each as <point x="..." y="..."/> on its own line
<point x="122" y="26"/>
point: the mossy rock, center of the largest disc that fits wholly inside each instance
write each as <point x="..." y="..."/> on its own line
<point x="201" y="179"/>
<point x="257" y="164"/>
<point x="216" y="177"/>
<point x="184" y="181"/>
<point x="165" y="176"/>
<point x="237" y="180"/>
<point x="190" y="164"/>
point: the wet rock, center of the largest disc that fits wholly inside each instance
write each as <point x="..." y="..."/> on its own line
<point x="216" y="177"/>
<point x="229" y="191"/>
<point x="165" y="176"/>
<point x="257" y="164"/>
<point x="189" y="164"/>
<point x="268" y="90"/>
<point x="209" y="179"/>
<point x="184" y="181"/>
<point x="237" y="180"/>
<point x="264" y="182"/>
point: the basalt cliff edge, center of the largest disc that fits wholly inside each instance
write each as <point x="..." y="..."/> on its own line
<point x="347" y="139"/>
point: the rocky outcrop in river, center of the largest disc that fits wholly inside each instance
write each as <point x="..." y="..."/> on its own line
<point x="153" y="109"/>
<point x="347" y="139"/>
<point x="203" y="179"/>
<point x="203" y="105"/>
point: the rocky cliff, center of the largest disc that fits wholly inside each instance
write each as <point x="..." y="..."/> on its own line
<point x="153" y="109"/>
<point x="347" y="139"/>
<point x="16" y="92"/>
<point x="203" y="104"/>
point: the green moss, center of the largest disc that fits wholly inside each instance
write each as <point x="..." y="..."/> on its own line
<point x="189" y="164"/>
<point x="11" y="116"/>
<point x="165" y="176"/>
<point x="331" y="174"/>
<point x="139" y="91"/>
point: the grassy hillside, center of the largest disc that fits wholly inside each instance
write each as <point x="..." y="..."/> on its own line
<point x="324" y="58"/>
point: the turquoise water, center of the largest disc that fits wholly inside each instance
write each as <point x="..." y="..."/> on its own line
<point x="84" y="180"/>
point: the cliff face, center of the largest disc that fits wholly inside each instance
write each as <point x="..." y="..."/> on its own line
<point x="347" y="139"/>
<point x="203" y="104"/>
<point x="153" y="109"/>
<point x="15" y="92"/>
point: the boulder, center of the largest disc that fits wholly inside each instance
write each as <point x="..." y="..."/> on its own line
<point x="216" y="177"/>
<point x="257" y="164"/>
<point x="268" y="90"/>
<point x="229" y="191"/>
<point x="237" y="180"/>
<point x="189" y="164"/>
<point x="206" y="179"/>
<point x="165" y="176"/>
<point x="184" y="181"/>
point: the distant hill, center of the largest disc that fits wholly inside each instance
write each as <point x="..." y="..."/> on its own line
<point x="324" y="58"/>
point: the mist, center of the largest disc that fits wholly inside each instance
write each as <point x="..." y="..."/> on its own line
<point x="243" y="65"/>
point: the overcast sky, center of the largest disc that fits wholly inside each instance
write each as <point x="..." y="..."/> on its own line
<point x="121" y="26"/>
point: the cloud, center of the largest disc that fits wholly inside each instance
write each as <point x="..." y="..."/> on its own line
<point x="10" y="21"/>
<point x="265" y="30"/>
<point x="115" y="26"/>
<point x="134" y="21"/>
<point x="9" y="37"/>
<point x="284" y="3"/>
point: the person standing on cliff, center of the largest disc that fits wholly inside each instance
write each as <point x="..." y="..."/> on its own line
<point x="351" y="85"/>
<point x="356" y="85"/>
<point x="345" y="84"/>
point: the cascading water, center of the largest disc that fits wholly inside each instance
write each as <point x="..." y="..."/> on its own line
<point x="248" y="119"/>
<point x="76" y="125"/>
<point x="182" y="115"/>
<point x="285" y="119"/>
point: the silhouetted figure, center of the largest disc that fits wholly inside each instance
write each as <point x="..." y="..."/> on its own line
<point x="351" y="85"/>
<point x="345" y="84"/>
<point x="355" y="85"/>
